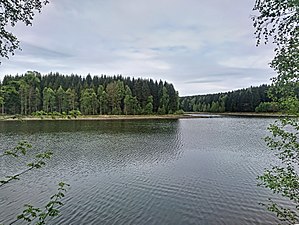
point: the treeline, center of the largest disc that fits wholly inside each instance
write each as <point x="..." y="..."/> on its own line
<point x="54" y="92"/>
<point x="244" y="100"/>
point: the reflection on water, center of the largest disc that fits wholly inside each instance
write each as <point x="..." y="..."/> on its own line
<point x="98" y="144"/>
<point x="189" y="171"/>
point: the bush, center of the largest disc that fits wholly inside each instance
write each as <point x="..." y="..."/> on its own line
<point x="267" y="107"/>
<point x="74" y="113"/>
<point x="179" y="112"/>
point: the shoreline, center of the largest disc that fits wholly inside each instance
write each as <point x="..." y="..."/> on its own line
<point x="240" y="114"/>
<point x="89" y="118"/>
<point x="187" y="115"/>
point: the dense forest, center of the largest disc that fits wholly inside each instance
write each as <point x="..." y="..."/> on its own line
<point x="244" y="100"/>
<point x="54" y="92"/>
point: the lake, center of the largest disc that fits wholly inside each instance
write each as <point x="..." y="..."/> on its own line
<point x="186" y="171"/>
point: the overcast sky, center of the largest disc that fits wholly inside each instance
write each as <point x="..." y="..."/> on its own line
<point x="200" y="46"/>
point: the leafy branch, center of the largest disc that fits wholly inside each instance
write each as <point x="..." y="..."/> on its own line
<point x="12" y="12"/>
<point x="282" y="213"/>
<point x="36" y="164"/>
<point x="284" y="179"/>
<point x="276" y="19"/>
<point x="31" y="213"/>
<point x="21" y="148"/>
<point x="279" y="20"/>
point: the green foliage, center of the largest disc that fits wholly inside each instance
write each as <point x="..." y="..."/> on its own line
<point x="179" y="112"/>
<point x="39" y="160"/>
<point x="70" y="100"/>
<point x="163" y="108"/>
<point x="11" y="102"/>
<point x="31" y="213"/>
<point x="39" y="113"/>
<point x="276" y="19"/>
<point x="11" y="13"/>
<point x="2" y="104"/>
<point x="61" y="100"/>
<point x="148" y="109"/>
<point x="22" y="147"/>
<point x="49" y="99"/>
<point x="128" y="101"/>
<point x="34" y="214"/>
<point x="75" y="113"/>
<point x="267" y="107"/>
<point x="53" y="93"/>
<point x="279" y="20"/>
<point x="284" y="179"/>
<point x="89" y="101"/>
<point x="42" y="114"/>
<point x="115" y="91"/>
<point x="284" y="214"/>
<point x="103" y="100"/>
<point x="243" y="100"/>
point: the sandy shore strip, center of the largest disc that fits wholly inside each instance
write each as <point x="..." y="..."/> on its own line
<point x="239" y="114"/>
<point x="188" y="115"/>
<point x="91" y="117"/>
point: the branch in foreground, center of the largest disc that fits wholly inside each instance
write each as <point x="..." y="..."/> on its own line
<point x="31" y="213"/>
<point x="38" y="163"/>
<point x="21" y="148"/>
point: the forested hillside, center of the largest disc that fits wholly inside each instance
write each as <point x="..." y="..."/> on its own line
<point x="54" y="92"/>
<point x="244" y="100"/>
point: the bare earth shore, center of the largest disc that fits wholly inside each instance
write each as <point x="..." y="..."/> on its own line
<point x="238" y="114"/>
<point x="187" y="115"/>
<point x="90" y="117"/>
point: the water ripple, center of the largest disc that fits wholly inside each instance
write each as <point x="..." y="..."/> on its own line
<point x="199" y="171"/>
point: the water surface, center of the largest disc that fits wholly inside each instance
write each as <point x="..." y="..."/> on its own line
<point x="187" y="171"/>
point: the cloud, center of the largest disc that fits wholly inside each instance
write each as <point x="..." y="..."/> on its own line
<point x="200" y="46"/>
<point x="246" y="62"/>
<point x="203" y="81"/>
<point x="36" y="50"/>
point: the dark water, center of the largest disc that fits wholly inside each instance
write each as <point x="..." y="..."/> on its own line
<point x="188" y="171"/>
